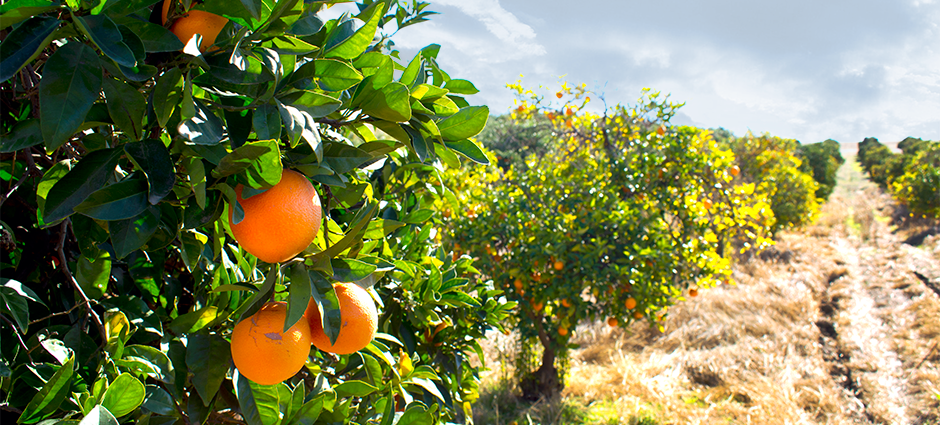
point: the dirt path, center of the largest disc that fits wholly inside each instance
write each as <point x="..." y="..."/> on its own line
<point x="838" y="324"/>
<point x="835" y="325"/>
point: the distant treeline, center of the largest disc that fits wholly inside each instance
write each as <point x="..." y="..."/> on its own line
<point x="912" y="176"/>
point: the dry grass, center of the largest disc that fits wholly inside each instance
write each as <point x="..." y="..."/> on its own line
<point x="832" y="327"/>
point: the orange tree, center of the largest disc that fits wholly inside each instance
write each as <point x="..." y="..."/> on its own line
<point x="771" y="164"/>
<point x="912" y="176"/>
<point x="621" y="215"/>
<point x="126" y="155"/>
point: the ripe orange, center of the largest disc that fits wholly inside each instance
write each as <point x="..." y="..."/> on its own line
<point x="558" y="95"/>
<point x="195" y="21"/>
<point x="735" y="170"/>
<point x="631" y="303"/>
<point x="559" y="265"/>
<point x="264" y="353"/>
<point x="280" y="222"/>
<point x="537" y="306"/>
<point x="562" y="331"/>
<point x="707" y="203"/>
<point x="638" y="315"/>
<point x="612" y="321"/>
<point x="518" y="284"/>
<point x="661" y="130"/>
<point x="693" y="292"/>
<point x="359" y="316"/>
<point x="565" y="302"/>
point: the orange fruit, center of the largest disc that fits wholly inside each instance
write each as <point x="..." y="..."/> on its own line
<point x="693" y="292"/>
<point x="661" y="130"/>
<point x="558" y="95"/>
<point x="537" y="306"/>
<point x="559" y="265"/>
<point x="562" y="331"/>
<point x="735" y="170"/>
<point x="631" y="303"/>
<point x="518" y="284"/>
<point x="638" y="315"/>
<point x="264" y="353"/>
<point x="565" y="302"/>
<point x="280" y="222"/>
<point x="360" y="320"/>
<point x="612" y="321"/>
<point x="707" y="203"/>
<point x="193" y="22"/>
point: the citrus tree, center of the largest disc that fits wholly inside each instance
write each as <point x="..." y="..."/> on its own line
<point x="772" y="165"/>
<point x="191" y="184"/>
<point x="623" y="215"/>
<point x="821" y="161"/>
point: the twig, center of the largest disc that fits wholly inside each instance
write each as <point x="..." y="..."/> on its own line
<point x="69" y="311"/>
<point x="20" y="338"/>
<point x="932" y="349"/>
<point x="8" y="408"/>
<point x="60" y="248"/>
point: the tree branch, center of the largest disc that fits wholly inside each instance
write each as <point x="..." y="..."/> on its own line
<point x="60" y="248"/>
<point x="20" y="338"/>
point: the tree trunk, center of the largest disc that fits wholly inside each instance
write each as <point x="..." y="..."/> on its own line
<point x="544" y="381"/>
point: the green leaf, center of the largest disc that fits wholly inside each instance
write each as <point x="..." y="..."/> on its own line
<point x="124" y="395"/>
<point x="87" y="176"/>
<point x="159" y="364"/>
<point x="458" y="86"/>
<point x="259" y="403"/>
<point x="422" y="147"/>
<point x="267" y="122"/>
<point x="26" y="133"/>
<point x="300" y="292"/>
<point x="130" y="235"/>
<point x="153" y="158"/>
<point x="45" y="403"/>
<point x="249" y="71"/>
<point x="191" y="245"/>
<point x="93" y="275"/>
<point x="15" y="305"/>
<point x="194" y="321"/>
<point x="126" y="106"/>
<point x="318" y="105"/>
<point x="253" y="7"/>
<point x="155" y="37"/>
<point x="15" y="11"/>
<point x="354" y="388"/>
<point x="99" y="415"/>
<point x="159" y="401"/>
<point x="258" y="164"/>
<point x="470" y="150"/>
<point x="327" y="305"/>
<point x="353" y="46"/>
<point x="350" y="270"/>
<point x="167" y="94"/>
<point x="118" y="201"/>
<point x="391" y="103"/>
<point x="208" y="358"/>
<point x="106" y="35"/>
<point x="308" y="24"/>
<point x="335" y="75"/>
<point x="301" y="126"/>
<point x="380" y="228"/>
<point x="288" y="45"/>
<point x="70" y="84"/>
<point x="23" y="43"/>
<point x="204" y="128"/>
<point x="410" y="74"/>
<point x="466" y="123"/>
<point x="310" y="411"/>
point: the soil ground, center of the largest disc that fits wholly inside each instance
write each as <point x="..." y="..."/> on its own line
<point x="839" y="323"/>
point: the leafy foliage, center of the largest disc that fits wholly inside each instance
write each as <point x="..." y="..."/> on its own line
<point x="912" y="176"/>
<point x="822" y="161"/>
<point x="620" y="215"/>
<point x="121" y="148"/>
<point x="772" y="165"/>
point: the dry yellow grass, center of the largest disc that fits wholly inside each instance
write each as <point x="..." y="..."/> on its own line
<point x="839" y="334"/>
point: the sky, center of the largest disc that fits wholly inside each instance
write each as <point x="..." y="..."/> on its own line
<point x="803" y="69"/>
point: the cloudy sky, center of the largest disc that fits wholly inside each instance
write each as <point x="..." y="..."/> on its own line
<point x="803" y="69"/>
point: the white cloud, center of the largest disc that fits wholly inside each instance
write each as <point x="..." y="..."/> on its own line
<point x="499" y="22"/>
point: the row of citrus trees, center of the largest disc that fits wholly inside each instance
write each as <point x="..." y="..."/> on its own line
<point x="196" y="192"/>
<point x="615" y="217"/>
<point x="912" y="176"/>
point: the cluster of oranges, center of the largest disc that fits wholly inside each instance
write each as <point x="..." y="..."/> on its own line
<point x="278" y="224"/>
<point x="267" y="355"/>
